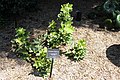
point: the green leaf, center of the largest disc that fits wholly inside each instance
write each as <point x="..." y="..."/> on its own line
<point x="109" y="6"/>
<point x="108" y="22"/>
<point x="69" y="29"/>
<point x="18" y="40"/>
<point x="118" y="20"/>
<point x="20" y="31"/>
<point x="66" y="7"/>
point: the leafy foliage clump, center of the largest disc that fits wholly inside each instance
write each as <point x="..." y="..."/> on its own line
<point x="32" y="51"/>
<point x="56" y="36"/>
<point x="51" y="37"/>
<point x="21" y="43"/>
<point x="77" y="51"/>
<point x="66" y="22"/>
<point x="109" y="11"/>
<point x="35" y="50"/>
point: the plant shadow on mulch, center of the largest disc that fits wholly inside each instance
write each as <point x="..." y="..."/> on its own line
<point x="71" y="58"/>
<point x="113" y="54"/>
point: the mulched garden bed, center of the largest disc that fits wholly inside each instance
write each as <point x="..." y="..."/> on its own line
<point x="102" y="60"/>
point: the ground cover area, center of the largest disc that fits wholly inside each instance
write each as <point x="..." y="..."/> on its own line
<point x="102" y="60"/>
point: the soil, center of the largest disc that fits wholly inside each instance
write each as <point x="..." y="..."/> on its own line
<point x="102" y="60"/>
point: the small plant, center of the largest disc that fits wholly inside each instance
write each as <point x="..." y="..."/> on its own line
<point x="109" y="11"/>
<point x="111" y="8"/>
<point x="41" y="63"/>
<point x="54" y="37"/>
<point x="78" y="50"/>
<point x="51" y="38"/>
<point x="33" y="51"/>
<point x="65" y="19"/>
<point x="21" y="43"/>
